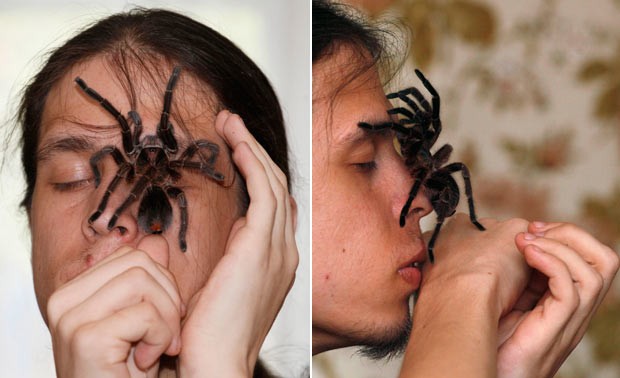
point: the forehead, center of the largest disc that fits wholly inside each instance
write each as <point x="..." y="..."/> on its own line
<point x="343" y="95"/>
<point x="69" y="110"/>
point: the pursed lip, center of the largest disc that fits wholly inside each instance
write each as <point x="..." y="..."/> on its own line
<point x="411" y="269"/>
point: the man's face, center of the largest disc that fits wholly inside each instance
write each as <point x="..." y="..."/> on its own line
<point x="361" y="277"/>
<point x="73" y="128"/>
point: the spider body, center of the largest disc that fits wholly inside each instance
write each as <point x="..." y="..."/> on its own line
<point x="152" y="164"/>
<point x="416" y="134"/>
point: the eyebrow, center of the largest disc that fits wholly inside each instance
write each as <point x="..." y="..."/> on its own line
<point x="67" y="144"/>
<point x="359" y="135"/>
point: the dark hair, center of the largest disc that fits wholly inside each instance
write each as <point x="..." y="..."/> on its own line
<point x="335" y="25"/>
<point x="156" y="35"/>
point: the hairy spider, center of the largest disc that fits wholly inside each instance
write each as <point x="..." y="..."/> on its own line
<point x="154" y="163"/>
<point x="416" y="134"/>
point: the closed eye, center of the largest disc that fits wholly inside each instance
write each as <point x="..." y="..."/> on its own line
<point x="366" y="166"/>
<point x="72" y="185"/>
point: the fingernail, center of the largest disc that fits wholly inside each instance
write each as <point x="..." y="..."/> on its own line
<point x="528" y="236"/>
<point x="539" y="224"/>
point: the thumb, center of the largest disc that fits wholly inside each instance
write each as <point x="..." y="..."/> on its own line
<point x="156" y="246"/>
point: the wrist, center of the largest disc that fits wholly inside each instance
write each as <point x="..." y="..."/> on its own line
<point x="214" y="364"/>
<point x="454" y="329"/>
<point x="475" y="291"/>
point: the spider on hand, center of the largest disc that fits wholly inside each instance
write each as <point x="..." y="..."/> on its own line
<point x="154" y="163"/>
<point x="416" y="134"/>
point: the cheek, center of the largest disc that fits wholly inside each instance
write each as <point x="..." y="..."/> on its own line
<point x="211" y="216"/>
<point x="56" y="234"/>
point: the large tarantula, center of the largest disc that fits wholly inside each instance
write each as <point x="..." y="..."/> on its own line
<point x="153" y="162"/>
<point x="416" y="134"/>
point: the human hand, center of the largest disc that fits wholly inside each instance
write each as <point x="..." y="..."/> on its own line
<point x="477" y="276"/>
<point x="470" y="258"/>
<point x="574" y="272"/>
<point x="230" y="317"/>
<point x="117" y="318"/>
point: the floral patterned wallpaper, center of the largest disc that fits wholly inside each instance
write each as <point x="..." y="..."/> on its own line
<point x="530" y="95"/>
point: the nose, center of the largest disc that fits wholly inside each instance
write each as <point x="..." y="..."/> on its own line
<point x="414" y="204"/>
<point x="113" y="215"/>
<point x="409" y="204"/>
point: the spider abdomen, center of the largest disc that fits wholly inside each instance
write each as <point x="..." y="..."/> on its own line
<point x="443" y="193"/>
<point x="155" y="211"/>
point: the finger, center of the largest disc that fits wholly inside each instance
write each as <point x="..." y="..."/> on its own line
<point x="85" y="285"/>
<point x="603" y="258"/>
<point x="263" y="202"/>
<point x="536" y="287"/>
<point x="562" y="299"/>
<point x="588" y="279"/>
<point x="232" y="128"/>
<point x="140" y="324"/>
<point x="128" y="289"/>
<point x="236" y="133"/>
<point x="291" y="221"/>
<point x="157" y="248"/>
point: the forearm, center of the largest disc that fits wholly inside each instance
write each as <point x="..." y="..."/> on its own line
<point x="454" y="330"/>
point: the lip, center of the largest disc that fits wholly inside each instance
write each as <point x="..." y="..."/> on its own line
<point x="411" y="270"/>
<point x="412" y="275"/>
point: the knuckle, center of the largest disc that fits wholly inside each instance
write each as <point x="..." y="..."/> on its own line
<point x="594" y="284"/>
<point x="138" y="274"/>
<point x="517" y="224"/>
<point x="83" y="340"/>
<point x="64" y="328"/>
<point x="149" y="315"/>
<point x="281" y="176"/>
<point x="613" y="260"/>
<point x="292" y="258"/>
<point x="55" y="307"/>
<point x="141" y="258"/>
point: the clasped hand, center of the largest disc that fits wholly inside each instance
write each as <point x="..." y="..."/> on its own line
<point x="119" y="317"/>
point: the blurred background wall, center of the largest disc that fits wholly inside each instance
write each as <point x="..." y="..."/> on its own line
<point x="530" y="94"/>
<point x="274" y="33"/>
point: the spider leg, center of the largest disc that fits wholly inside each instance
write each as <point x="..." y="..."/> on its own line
<point x="415" y="92"/>
<point x="456" y="167"/>
<point x="412" y="194"/>
<point x="205" y="169"/>
<point x="137" y="121"/>
<point x="164" y="129"/>
<point x="107" y="150"/>
<point x="122" y="121"/>
<point x="196" y="146"/>
<point x="402" y="111"/>
<point x="433" y="92"/>
<point x="178" y="194"/>
<point x="122" y="172"/>
<point x="431" y="243"/>
<point x="136" y="191"/>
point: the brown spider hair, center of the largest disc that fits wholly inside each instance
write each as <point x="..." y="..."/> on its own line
<point x="155" y="35"/>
